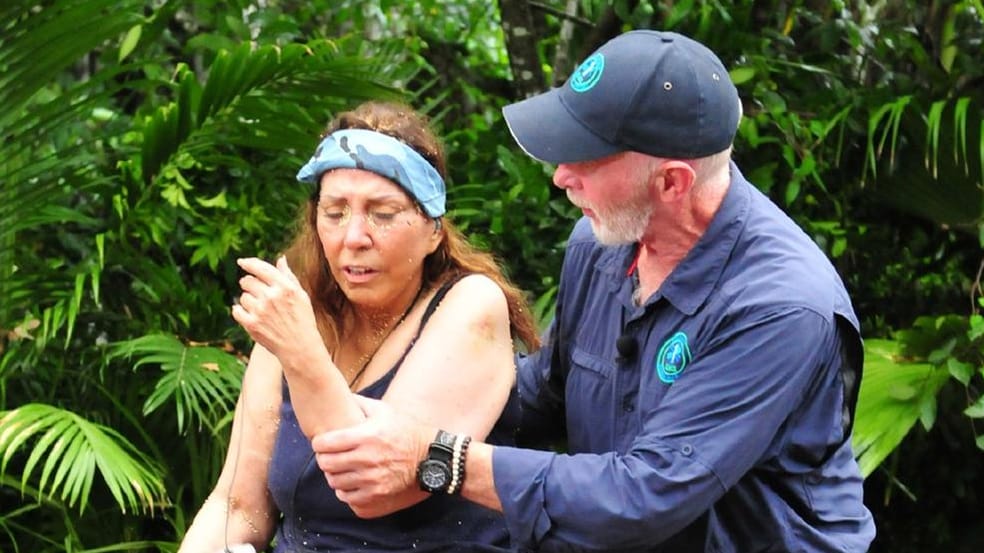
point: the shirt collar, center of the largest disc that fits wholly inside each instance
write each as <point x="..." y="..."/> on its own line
<point x="693" y="280"/>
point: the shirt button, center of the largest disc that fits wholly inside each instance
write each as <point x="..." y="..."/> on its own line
<point x="686" y="450"/>
<point x="627" y="404"/>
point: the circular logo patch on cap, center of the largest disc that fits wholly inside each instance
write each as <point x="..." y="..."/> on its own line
<point x="588" y="73"/>
<point x="673" y="358"/>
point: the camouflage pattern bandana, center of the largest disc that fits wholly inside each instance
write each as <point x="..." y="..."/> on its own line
<point x="383" y="155"/>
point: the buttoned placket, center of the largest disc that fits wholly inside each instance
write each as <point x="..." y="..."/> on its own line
<point x="628" y="372"/>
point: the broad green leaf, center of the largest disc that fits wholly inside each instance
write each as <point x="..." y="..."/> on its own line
<point x="741" y="75"/>
<point x="960" y="370"/>
<point x="976" y="410"/>
<point x="883" y="416"/>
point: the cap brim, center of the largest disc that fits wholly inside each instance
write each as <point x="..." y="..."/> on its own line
<point x="545" y="130"/>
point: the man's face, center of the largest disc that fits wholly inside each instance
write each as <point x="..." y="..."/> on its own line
<point x="612" y="193"/>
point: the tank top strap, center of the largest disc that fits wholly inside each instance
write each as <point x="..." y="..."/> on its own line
<point x="432" y="306"/>
<point x="379" y="387"/>
<point x="436" y="301"/>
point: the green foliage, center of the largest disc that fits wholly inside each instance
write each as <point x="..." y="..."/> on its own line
<point x="146" y="145"/>
<point x="895" y="394"/>
<point x="142" y="153"/>
<point x="71" y="449"/>
<point x="201" y="382"/>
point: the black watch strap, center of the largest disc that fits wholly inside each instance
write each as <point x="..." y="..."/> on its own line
<point x="443" y="443"/>
<point x="434" y="473"/>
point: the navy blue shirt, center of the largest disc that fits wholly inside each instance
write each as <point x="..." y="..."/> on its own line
<point x="726" y="430"/>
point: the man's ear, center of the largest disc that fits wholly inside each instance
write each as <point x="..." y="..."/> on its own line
<point x="674" y="181"/>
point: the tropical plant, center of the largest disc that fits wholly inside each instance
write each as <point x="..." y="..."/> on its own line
<point x="139" y="154"/>
<point x="146" y="144"/>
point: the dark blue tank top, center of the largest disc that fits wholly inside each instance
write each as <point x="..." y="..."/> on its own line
<point x="314" y="520"/>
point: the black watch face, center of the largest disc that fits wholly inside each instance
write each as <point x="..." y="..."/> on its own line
<point x="434" y="476"/>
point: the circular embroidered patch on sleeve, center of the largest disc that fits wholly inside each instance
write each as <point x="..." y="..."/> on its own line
<point x="673" y="357"/>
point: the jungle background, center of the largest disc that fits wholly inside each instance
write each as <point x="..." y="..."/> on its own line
<point x="145" y="144"/>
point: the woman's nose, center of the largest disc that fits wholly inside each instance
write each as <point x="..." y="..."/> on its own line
<point x="357" y="232"/>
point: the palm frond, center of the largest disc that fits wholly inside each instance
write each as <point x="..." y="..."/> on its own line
<point x="203" y="382"/>
<point x="895" y="394"/>
<point x="228" y="108"/>
<point x="891" y="113"/>
<point x="918" y="176"/>
<point x="69" y="450"/>
<point x="62" y="31"/>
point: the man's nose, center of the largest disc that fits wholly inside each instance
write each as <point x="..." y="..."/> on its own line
<point x="563" y="177"/>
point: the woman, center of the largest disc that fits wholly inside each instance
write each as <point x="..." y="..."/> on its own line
<point x="379" y="295"/>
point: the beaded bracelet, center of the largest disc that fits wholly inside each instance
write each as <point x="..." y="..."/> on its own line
<point x="458" y="463"/>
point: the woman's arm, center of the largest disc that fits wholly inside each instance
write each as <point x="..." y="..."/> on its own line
<point x="457" y="378"/>
<point x="240" y="509"/>
<point x="458" y="374"/>
<point x="276" y="312"/>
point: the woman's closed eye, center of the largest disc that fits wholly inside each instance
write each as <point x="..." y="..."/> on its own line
<point x="335" y="214"/>
<point x="383" y="216"/>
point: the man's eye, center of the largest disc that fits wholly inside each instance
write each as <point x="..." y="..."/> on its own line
<point x="333" y="215"/>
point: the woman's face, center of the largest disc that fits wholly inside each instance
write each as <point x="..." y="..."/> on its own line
<point x="374" y="237"/>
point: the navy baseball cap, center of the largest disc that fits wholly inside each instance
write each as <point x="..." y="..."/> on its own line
<point x="658" y="93"/>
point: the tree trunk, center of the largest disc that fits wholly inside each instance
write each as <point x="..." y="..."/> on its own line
<point x="562" y="61"/>
<point x="517" y="27"/>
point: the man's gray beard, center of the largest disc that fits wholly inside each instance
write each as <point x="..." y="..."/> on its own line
<point x="622" y="227"/>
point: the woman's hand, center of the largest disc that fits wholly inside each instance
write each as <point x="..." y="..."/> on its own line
<point x="274" y="309"/>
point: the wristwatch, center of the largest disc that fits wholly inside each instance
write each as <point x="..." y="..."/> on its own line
<point x="434" y="472"/>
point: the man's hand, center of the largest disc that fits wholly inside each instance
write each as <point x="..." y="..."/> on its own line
<point x="373" y="466"/>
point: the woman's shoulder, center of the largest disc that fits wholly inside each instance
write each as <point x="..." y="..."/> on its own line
<point x="465" y="301"/>
<point x="476" y="290"/>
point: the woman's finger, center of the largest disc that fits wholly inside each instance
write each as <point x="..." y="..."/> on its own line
<point x="248" y="302"/>
<point x="265" y="272"/>
<point x="252" y="285"/>
<point x="286" y="270"/>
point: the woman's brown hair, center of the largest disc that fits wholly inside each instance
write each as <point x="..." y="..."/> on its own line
<point x="454" y="255"/>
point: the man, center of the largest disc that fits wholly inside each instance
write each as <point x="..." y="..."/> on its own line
<point x="704" y="359"/>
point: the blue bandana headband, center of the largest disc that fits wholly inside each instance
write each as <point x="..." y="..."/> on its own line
<point x="383" y="155"/>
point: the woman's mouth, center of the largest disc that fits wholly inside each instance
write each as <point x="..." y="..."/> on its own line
<point x="358" y="273"/>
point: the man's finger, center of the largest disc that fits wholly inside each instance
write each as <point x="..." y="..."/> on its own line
<point x="337" y="441"/>
<point x="369" y="405"/>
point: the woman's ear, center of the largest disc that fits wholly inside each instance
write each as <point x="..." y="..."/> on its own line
<point x="437" y="236"/>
